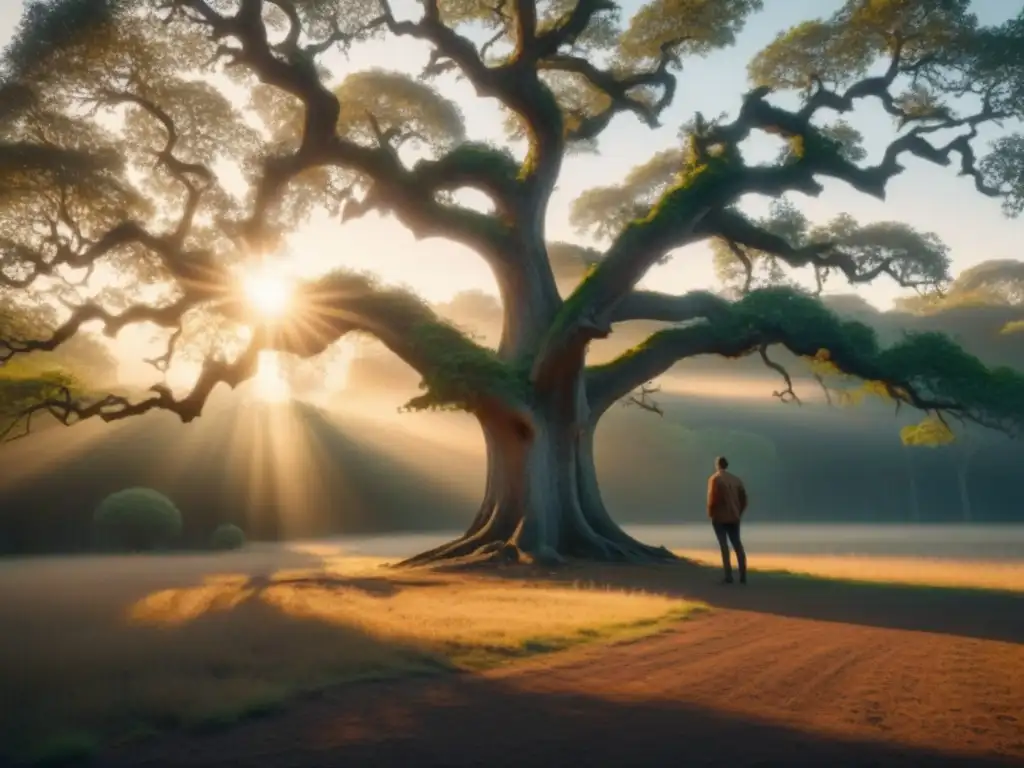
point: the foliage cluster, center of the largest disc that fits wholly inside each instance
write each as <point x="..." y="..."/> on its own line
<point x="137" y="520"/>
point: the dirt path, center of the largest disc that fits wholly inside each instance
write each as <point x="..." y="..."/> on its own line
<point x="731" y="688"/>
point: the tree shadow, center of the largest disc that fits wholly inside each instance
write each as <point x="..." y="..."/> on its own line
<point x="472" y="721"/>
<point x="967" y="612"/>
<point x="368" y="585"/>
<point x="199" y="654"/>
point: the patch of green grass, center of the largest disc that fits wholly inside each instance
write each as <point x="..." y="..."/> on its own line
<point x="220" y="719"/>
<point x="801" y="579"/>
<point x="482" y="657"/>
<point x="71" y="747"/>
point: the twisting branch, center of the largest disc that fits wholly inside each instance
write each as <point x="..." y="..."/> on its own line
<point x="818" y="155"/>
<point x="569" y="28"/>
<point x="163" y="362"/>
<point x="525" y="26"/>
<point x="69" y="410"/>
<point x="456" y="369"/>
<point x="499" y="82"/>
<point x="167" y="317"/>
<point x="744" y="259"/>
<point x="194" y="270"/>
<point x="786" y="395"/>
<point x="642" y="398"/>
<point x="181" y="171"/>
<point x="737" y="230"/>
<point x="617" y="89"/>
<point x="124" y="234"/>
<point x="717" y="178"/>
<point x="406" y="193"/>
<point x="752" y="326"/>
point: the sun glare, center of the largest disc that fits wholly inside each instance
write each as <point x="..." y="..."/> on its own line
<point x="268" y="293"/>
<point x="270" y="385"/>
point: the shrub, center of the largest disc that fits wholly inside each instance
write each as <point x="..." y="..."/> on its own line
<point x="228" y="536"/>
<point x="136" y="519"/>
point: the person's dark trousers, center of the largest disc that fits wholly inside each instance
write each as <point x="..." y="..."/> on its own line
<point x="730" y="533"/>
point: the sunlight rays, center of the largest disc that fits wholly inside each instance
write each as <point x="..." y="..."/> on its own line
<point x="415" y="441"/>
<point x="51" y="449"/>
<point x="278" y="464"/>
<point x="269" y="384"/>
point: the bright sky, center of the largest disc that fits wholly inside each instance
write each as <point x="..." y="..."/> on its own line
<point x="926" y="197"/>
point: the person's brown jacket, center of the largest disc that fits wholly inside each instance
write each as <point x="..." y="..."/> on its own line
<point x="727" y="497"/>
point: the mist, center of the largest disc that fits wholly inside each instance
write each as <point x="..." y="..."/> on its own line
<point x="351" y="464"/>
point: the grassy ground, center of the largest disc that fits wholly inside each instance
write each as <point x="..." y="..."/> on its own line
<point x="97" y="650"/>
<point x="955" y="574"/>
<point x="103" y="649"/>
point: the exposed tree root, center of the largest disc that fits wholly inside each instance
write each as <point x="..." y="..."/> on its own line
<point x="488" y="546"/>
<point x="542" y="504"/>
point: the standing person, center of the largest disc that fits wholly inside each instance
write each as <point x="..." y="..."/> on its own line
<point x="727" y="501"/>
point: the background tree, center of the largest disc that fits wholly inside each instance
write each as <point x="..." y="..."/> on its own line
<point x="211" y="179"/>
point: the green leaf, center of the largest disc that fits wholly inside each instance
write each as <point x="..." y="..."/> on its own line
<point x="1017" y="326"/>
<point x="398" y="103"/>
<point x="1003" y="168"/>
<point x="930" y="432"/>
<point x="843" y="47"/>
<point x="696" y="27"/>
<point x="606" y="210"/>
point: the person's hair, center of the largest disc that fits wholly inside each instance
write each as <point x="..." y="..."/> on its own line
<point x="722" y="463"/>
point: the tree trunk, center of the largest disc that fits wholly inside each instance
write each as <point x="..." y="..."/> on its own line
<point x="542" y="502"/>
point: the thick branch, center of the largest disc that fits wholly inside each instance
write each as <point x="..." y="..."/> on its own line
<point x="456" y="370"/>
<point x="783" y="317"/>
<point x="818" y="155"/>
<point x="737" y="230"/>
<point x="411" y="195"/>
<point x="669" y="308"/>
<point x="717" y="179"/>
<point x="565" y="32"/>
<point x="617" y="89"/>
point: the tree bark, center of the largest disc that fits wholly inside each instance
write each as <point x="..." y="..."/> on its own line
<point x="542" y="502"/>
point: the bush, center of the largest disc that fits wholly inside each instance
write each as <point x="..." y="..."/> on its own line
<point x="136" y="519"/>
<point x="228" y="536"/>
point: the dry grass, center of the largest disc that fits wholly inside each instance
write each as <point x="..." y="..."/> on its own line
<point x="962" y="574"/>
<point x="106" y="648"/>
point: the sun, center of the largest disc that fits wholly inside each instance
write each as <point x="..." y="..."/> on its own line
<point x="269" y="293"/>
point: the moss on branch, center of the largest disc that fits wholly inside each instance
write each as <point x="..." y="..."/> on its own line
<point x="472" y="164"/>
<point x="460" y="370"/>
<point x="456" y="371"/>
<point x="926" y="370"/>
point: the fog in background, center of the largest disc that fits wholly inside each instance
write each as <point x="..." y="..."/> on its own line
<point x="350" y="464"/>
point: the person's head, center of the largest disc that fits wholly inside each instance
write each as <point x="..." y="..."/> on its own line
<point x="721" y="463"/>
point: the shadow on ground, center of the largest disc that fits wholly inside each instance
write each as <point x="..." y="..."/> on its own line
<point x="471" y="721"/>
<point x="194" y="657"/>
<point x="978" y="613"/>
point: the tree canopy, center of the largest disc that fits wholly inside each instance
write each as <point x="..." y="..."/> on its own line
<point x="233" y="128"/>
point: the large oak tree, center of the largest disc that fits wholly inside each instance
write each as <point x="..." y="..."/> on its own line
<point x="155" y="146"/>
